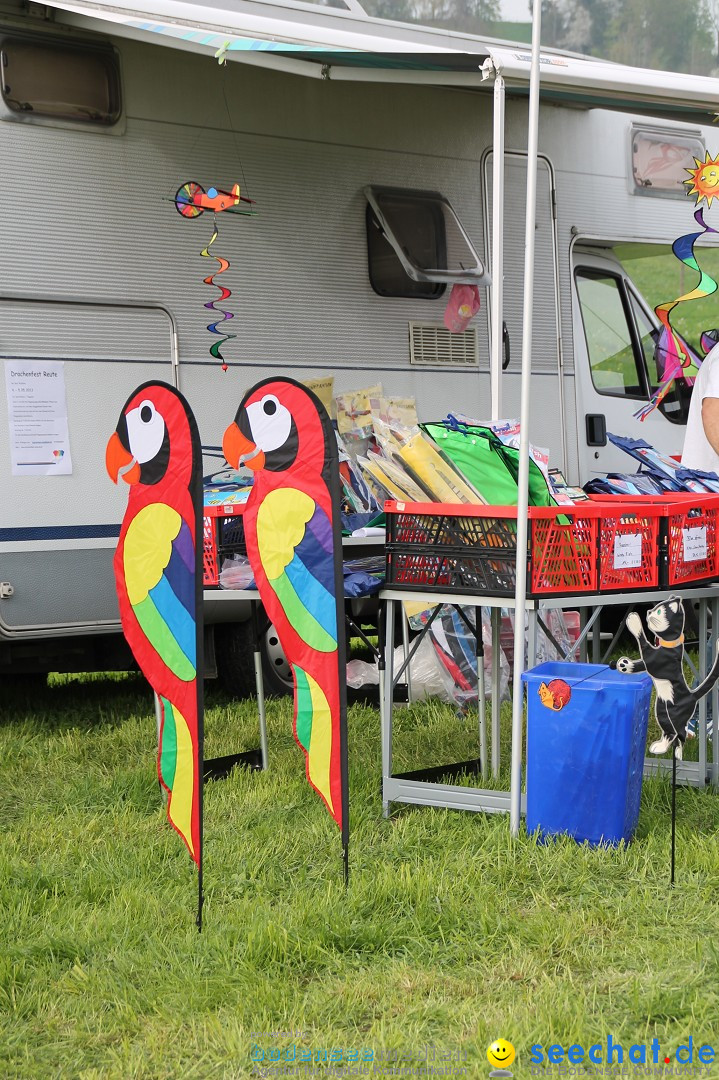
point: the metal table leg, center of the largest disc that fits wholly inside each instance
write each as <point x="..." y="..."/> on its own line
<point x="715" y="697"/>
<point x="405" y="646"/>
<point x="481" y="695"/>
<point x="702" y="723"/>
<point x="260" y="687"/>
<point x="388" y="694"/>
<point x="496" y="646"/>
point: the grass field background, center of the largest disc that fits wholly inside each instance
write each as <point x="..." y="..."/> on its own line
<point x="451" y="932"/>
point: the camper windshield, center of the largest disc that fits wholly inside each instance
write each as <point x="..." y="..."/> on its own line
<point x="660" y="278"/>
<point x="622" y="342"/>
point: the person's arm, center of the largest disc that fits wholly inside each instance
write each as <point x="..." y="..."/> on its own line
<point x="710" y="420"/>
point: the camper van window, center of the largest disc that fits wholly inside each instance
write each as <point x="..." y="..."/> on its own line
<point x="386" y="274"/>
<point x="427" y="236"/>
<point x="661" y="158"/>
<point x="64" y="82"/>
<point x="610" y="345"/>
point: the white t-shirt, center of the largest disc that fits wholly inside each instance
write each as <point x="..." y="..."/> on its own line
<point x="698" y="452"/>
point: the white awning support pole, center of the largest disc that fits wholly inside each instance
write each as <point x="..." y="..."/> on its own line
<point x="497" y="288"/>
<point x="523" y="481"/>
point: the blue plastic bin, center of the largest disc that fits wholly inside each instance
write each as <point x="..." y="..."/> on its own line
<point x="586" y="733"/>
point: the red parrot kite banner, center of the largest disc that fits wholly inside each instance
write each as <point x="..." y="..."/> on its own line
<point x="294" y="543"/>
<point x="158" y="574"/>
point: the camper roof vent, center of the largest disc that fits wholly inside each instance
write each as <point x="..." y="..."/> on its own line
<point x="432" y="344"/>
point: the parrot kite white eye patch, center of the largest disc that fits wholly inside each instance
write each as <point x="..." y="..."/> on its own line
<point x="270" y="423"/>
<point x="145" y="432"/>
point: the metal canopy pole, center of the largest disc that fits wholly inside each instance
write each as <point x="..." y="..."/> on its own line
<point x="523" y="481"/>
<point x="497" y="293"/>
<point x="496" y="317"/>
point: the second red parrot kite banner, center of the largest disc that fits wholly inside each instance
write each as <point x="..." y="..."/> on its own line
<point x="294" y="543"/>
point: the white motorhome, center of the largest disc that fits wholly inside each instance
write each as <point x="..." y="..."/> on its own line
<point x="106" y="110"/>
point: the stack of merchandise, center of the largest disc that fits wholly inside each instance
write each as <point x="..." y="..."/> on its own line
<point x="658" y="474"/>
<point x="385" y="453"/>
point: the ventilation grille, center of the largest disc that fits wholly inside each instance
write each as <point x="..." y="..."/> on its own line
<point x="431" y="344"/>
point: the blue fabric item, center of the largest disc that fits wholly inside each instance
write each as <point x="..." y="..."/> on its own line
<point x="627" y="444"/>
<point x="358" y="584"/>
<point x="614" y="484"/>
<point x="708" y="480"/>
<point x="651" y="483"/>
<point x="350" y="522"/>
<point x="664" y="482"/>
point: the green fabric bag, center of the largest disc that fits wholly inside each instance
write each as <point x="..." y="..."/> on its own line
<point x="489" y="466"/>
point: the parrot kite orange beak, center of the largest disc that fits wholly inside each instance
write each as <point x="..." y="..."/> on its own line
<point x="239" y="450"/>
<point x="119" y="461"/>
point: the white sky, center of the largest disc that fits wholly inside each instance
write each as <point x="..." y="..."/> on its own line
<point x="515" y="10"/>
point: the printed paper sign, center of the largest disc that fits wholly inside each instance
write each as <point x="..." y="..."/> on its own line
<point x="627" y="551"/>
<point x="695" y="543"/>
<point x="37" y="411"/>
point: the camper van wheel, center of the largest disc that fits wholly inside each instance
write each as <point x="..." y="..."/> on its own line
<point x="275" y="666"/>
<point x="234" y="650"/>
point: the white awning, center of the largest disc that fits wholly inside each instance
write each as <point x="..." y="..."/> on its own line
<point x="344" y="43"/>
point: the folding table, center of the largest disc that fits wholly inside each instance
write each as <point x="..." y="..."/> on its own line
<point x="403" y="789"/>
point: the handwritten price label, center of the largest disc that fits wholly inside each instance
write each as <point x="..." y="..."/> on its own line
<point x="627" y="551"/>
<point x="695" y="543"/>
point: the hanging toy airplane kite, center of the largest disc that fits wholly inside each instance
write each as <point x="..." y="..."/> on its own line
<point x="158" y="575"/>
<point x="293" y="534"/>
<point x="191" y="200"/>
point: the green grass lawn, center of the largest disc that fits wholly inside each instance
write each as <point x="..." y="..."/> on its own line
<point x="451" y="932"/>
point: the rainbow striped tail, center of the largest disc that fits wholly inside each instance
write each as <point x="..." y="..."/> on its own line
<point x="179" y="772"/>
<point x="318" y="733"/>
<point x="679" y="362"/>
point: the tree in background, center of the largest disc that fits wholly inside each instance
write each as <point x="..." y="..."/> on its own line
<point x="668" y="35"/>
<point x="712" y="10"/>
<point x="578" y="25"/>
<point x="468" y="16"/>
<point x="663" y="34"/>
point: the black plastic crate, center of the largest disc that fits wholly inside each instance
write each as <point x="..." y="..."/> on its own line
<point x="473" y="549"/>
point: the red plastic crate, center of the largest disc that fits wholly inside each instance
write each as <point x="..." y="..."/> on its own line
<point x="630" y="530"/>
<point x="688" y="536"/>
<point x="222" y="532"/>
<point x="692" y="528"/>
<point x="472" y="549"/>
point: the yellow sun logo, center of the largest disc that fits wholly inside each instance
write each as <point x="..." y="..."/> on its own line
<point x="704" y="179"/>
